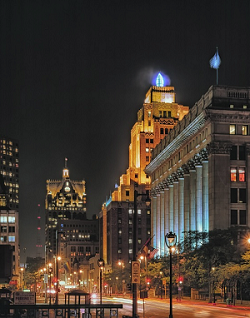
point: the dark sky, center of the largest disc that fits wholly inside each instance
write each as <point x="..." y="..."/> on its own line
<point x="74" y="74"/>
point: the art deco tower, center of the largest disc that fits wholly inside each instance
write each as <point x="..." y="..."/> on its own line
<point x="159" y="114"/>
<point x="65" y="200"/>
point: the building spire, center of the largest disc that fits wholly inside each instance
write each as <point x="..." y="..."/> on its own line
<point x="65" y="170"/>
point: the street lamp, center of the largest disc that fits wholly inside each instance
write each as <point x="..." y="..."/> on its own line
<point x="134" y="285"/>
<point x="100" y="263"/>
<point x="50" y="271"/>
<point x="170" y="239"/>
<point x="58" y="258"/>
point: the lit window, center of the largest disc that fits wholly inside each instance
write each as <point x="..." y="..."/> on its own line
<point x="130" y="251"/>
<point x="148" y="211"/>
<point x="3" y="219"/>
<point x="147" y="149"/>
<point x="130" y="241"/>
<point x="3" y="239"/>
<point x="242" y="174"/>
<point x="119" y="251"/>
<point x="138" y="211"/>
<point x="149" y="114"/>
<point x="130" y="211"/>
<point x="11" y="219"/>
<point x="232" y="129"/>
<point x="244" y="130"/>
<point x="233" y="174"/>
<point x="11" y="238"/>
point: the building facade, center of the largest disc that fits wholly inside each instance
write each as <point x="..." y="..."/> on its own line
<point x="199" y="172"/>
<point x="68" y="232"/>
<point x="9" y="201"/>
<point x="158" y="116"/>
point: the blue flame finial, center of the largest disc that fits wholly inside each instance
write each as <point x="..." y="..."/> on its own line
<point x="159" y="80"/>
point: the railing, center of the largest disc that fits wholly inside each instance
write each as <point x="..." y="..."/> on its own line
<point x="60" y="311"/>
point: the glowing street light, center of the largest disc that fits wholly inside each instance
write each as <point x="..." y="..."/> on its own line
<point x="170" y="239"/>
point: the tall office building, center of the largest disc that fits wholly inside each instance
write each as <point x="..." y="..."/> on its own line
<point x="68" y="232"/>
<point x="158" y="116"/>
<point x="9" y="201"/>
<point x="200" y="171"/>
<point x="9" y="169"/>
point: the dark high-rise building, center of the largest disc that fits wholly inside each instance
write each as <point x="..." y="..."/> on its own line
<point x="9" y="202"/>
<point x="9" y="169"/>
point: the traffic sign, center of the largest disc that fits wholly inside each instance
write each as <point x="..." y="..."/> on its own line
<point x="135" y="272"/>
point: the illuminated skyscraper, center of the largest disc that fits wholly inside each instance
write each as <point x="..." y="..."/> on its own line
<point x="9" y="200"/>
<point x="68" y="232"/>
<point x="158" y="116"/>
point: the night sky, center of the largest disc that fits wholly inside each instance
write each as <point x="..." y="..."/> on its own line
<point x="74" y="74"/>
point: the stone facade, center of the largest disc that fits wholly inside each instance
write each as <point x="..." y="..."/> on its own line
<point x="199" y="171"/>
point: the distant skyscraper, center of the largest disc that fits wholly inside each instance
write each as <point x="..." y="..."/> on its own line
<point x="158" y="116"/>
<point x="9" y="169"/>
<point x="9" y="200"/>
<point x="68" y="232"/>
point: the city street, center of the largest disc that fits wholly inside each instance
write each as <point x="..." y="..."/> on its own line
<point x="158" y="308"/>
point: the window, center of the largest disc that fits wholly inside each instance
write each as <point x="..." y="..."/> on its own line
<point x="242" y="153"/>
<point x="164" y="114"/>
<point x="139" y="212"/>
<point x="130" y="241"/>
<point x="242" y="174"/>
<point x="127" y="193"/>
<point x="149" y="114"/>
<point x="3" y="239"/>
<point x="119" y="220"/>
<point x="242" y="195"/>
<point x="147" y="141"/>
<point x="119" y="251"/>
<point x="161" y="131"/>
<point x="148" y="212"/>
<point x="166" y="131"/>
<point x="11" y="238"/>
<point x="232" y="129"/>
<point x="130" y="211"/>
<point x="11" y="229"/>
<point x="147" y="158"/>
<point x="243" y="217"/>
<point x="3" y="219"/>
<point x="149" y="123"/>
<point x="147" y="149"/>
<point x="233" y="195"/>
<point x="130" y="221"/>
<point x="233" y="217"/>
<point x="11" y="219"/>
<point x="130" y="251"/>
<point x="151" y="141"/>
<point x="244" y="130"/>
<point x="169" y="114"/>
<point x="160" y="113"/>
<point x="4" y="229"/>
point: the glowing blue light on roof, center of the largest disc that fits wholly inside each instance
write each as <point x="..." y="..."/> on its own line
<point x="159" y="80"/>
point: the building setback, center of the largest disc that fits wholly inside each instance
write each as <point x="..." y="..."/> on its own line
<point x="159" y="114"/>
<point x="199" y="172"/>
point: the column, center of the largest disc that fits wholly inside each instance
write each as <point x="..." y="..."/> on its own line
<point x="186" y="202"/>
<point x="153" y="217"/>
<point x="198" y="200"/>
<point x="181" y="210"/>
<point x="192" y="222"/>
<point x="158" y="222"/>
<point x="171" y="207"/>
<point x="176" y="205"/>
<point x="205" y="202"/>
<point x="166" y="217"/>
<point x="162" y="234"/>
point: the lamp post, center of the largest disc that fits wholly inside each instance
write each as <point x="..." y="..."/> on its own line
<point x="58" y="258"/>
<point x="170" y="239"/>
<point x="50" y="271"/>
<point x="100" y="263"/>
<point x="134" y="285"/>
